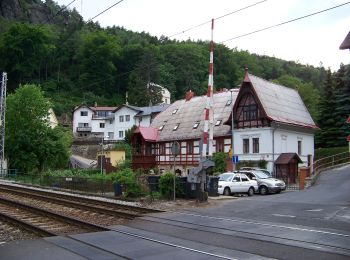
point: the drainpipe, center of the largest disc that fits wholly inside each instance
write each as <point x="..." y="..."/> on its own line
<point x="273" y="149"/>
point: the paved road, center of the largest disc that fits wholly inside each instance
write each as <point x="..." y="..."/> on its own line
<point x="310" y="224"/>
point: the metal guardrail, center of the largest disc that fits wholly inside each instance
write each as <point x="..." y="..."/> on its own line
<point x="330" y="161"/>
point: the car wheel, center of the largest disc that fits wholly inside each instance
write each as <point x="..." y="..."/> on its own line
<point x="263" y="190"/>
<point x="251" y="191"/>
<point x="227" y="191"/>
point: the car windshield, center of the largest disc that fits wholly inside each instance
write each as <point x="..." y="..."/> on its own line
<point x="225" y="177"/>
<point x="261" y="175"/>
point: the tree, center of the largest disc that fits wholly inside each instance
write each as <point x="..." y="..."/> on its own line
<point x="97" y="57"/>
<point x="329" y="132"/>
<point x="31" y="144"/>
<point x="342" y="111"/>
<point x="24" y="49"/>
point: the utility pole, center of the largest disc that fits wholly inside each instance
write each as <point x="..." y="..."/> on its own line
<point x="232" y="129"/>
<point x="2" y="120"/>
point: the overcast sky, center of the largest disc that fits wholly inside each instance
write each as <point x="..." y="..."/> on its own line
<point x="308" y="41"/>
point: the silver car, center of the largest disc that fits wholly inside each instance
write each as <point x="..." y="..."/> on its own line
<point x="231" y="183"/>
<point x="266" y="183"/>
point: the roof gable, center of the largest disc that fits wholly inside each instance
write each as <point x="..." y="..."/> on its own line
<point x="286" y="158"/>
<point x="281" y="104"/>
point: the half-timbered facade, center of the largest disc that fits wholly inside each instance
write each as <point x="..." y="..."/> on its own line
<point x="183" y="122"/>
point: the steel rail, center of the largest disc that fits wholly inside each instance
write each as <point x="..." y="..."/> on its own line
<point x="57" y="216"/>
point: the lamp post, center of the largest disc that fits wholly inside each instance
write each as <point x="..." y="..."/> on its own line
<point x="231" y="90"/>
<point x="102" y="155"/>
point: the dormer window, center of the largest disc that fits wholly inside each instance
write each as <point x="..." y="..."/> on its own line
<point x="218" y="122"/>
<point x="195" y="126"/>
<point x="161" y="127"/>
<point x="228" y="102"/>
<point x="176" y="127"/>
<point x="174" y="111"/>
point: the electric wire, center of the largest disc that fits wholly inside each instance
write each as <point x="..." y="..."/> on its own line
<point x="283" y="23"/>
<point x="106" y="10"/>
<point x="217" y="18"/>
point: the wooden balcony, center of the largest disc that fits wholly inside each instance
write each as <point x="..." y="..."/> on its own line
<point x="143" y="161"/>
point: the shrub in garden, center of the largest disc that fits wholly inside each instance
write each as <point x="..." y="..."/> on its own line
<point x="128" y="179"/>
<point x="166" y="185"/>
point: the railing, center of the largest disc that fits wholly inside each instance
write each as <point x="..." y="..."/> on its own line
<point x="330" y="161"/>
<point x="84" y="129"/>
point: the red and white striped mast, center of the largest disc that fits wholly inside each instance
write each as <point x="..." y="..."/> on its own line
<point x="208" y="131"/>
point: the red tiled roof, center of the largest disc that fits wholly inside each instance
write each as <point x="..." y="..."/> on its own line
<point x="148" y="133"/>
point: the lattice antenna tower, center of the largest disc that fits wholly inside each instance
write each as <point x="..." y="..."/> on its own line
<point x="2" y="119"/>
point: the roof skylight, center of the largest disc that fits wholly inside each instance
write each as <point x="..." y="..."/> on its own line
<point x="175" y="111"/>
<point x="218" y="122"/>
<point x="195" y="126"/>
<point x="176" y="127"/>
<point x="161" y="127"/>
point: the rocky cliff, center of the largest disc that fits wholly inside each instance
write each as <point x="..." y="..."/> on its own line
<point x="33" y="11"/>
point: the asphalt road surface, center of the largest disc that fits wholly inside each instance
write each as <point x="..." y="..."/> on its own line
<point x="309" y="224"/>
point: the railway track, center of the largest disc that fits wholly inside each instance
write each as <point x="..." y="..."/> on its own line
<point x="43" y="222"/>
<point x="82" y="202"/>
<point x="44" y="213"/>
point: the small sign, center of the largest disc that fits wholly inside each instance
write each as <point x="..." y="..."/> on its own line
<point x="69" y="179"/>
<point x="175" y="148"/>
<point x="235" y="159"/>
<point x="348" y="139"/>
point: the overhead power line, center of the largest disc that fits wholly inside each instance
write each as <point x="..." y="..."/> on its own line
<point x="106" y="9"/>
<point x="286" y="22"/>
<point x="217" y="18"/>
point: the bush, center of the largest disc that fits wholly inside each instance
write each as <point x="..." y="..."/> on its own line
<point x="128" y="179"/>
<point x="166" y="185"/>
<point x="220" y="162"/>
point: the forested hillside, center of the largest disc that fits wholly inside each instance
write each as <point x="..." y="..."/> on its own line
<point x="76" y="61"/>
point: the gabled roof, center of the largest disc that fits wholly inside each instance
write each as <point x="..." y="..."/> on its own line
<point x="145" y="111"/>
<point x="150" y="134"/>
<point x="280" y="103"/>
<point x="346" y="43"/>
<point x="96" y="108"/>
<point x="286" y="158"/>
<point x="188" y="113"/>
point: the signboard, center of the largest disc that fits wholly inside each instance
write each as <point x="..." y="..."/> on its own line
<point x="235" y="159"/>
<point x="348" y="139"/>
<point x="175" y="148"/>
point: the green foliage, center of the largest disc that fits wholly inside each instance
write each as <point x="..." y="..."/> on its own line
<point x="220" y="162"/>
<point x="128" y="134"/>
<point x="31" y="144"/>
<point x="325" y="152"/>
<point x="166" y="185"/>
<point x="128" y="179"/>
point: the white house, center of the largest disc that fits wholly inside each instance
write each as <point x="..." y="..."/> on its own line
<point x="111" y="123"/>
<point x="270" y="119"/>
<point x="164" y="92"/>
<point x="93" y="121"/>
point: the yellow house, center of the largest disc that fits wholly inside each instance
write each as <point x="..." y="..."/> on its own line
<point x="112" y="157"/>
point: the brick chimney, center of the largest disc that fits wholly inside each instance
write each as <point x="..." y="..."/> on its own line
<point x="189" y="95"/>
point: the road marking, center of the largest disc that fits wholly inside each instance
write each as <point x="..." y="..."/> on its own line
<point x="265" y="224"/>
<point x="281" y="215"/>
<point x="314" y="210"/>
<point x="172" y="245"/>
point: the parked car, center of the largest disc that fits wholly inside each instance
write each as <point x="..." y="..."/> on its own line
<point x="267" y="172"/>
<point x="266" y="183"/>
<point x="233" y="183"/>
